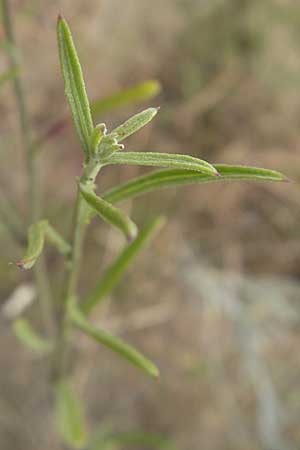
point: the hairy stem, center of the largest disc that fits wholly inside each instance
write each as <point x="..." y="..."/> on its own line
<point x="73" y="268"/>
<point x="41" y="276"/>
<point x="79" y="223"/>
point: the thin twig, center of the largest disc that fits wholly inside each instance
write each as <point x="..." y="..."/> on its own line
<point x="41" y="276"/>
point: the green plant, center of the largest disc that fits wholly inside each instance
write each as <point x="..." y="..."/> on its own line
<point x="100" y="148"/>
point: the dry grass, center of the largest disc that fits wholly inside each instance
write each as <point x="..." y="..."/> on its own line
<point x="244" y="110"/>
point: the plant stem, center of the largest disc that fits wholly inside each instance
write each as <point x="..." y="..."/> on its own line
<point x="70" y="285"/>
<point x="22" y="111"/>
<point x="41" y="276"/>
<point x="79" y="223"/>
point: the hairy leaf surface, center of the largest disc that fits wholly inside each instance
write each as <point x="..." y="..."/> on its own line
<point x="175" y="177"/>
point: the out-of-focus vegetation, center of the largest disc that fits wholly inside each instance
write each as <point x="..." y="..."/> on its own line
<point x="226" y="343"/>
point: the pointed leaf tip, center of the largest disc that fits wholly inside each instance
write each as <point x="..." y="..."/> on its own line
<point x="170" y="160"/>
<point x="74" y="84"/>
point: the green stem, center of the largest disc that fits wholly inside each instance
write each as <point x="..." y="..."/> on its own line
<point x="73" y="268"/>
<point x="69" y="291"/>
<point x="22" y="111"/>
<point x="33" y="191"/>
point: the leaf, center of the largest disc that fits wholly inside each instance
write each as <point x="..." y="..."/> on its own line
<point x="133" y="124"/>
<point x="137" y="93"/>
<point x="36" y="239"/>
<point x="113" y="343"/>
<point x="162" y="160"/>
<point x="28" y="337"/>
<point x="69" y="417"/>
<point x="74" y="84"/>
<point x="97" y="135"/>
<point x="57" y="240"/>
<point x="116" y="270"/>
<point x="109" y="144"/>
<point x="109" y="213"/>
<point x="134" y="94"/>
<point x="175" y="177"/>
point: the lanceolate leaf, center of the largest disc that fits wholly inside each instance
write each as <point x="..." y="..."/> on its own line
<point x="26" y="334"/>
<point x="116" y="270"/>
<point x="109" y="213"/>
<point x="114" y="343"/>
<point x="36" y="239"/>
<point x="74" y="84"/>
<point x="57" y="240"/>
<point x="174" y="177"/>
<point x="138" y="93"/>
<point x="69" y="417"/>
<point x="162" y="160"/>
<point x="132" y="95"/>
<point x="133" y="124"/>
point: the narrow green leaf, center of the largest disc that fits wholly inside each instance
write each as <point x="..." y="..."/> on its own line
<point x="138" y="93"/>
<point x="113" y="343"/>
<point x="109" y="213"/>
<point x="162" y="160"/>
<point x="36" y="239"/>
<point x="57" y="240"/>
<point x="28" y="337"/>
<point x="74" y="84"/>
<point x="116" y="270"/>
<point x="175" y="177"/>
<point x="135" y="123"/>
<point x="69" y="417"/>
<point x="135" y="94"/>
<point x="97" y="135"/>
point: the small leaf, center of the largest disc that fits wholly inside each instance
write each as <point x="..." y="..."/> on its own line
<point x="133" y="124"/>
<point x="132" y="95"/>
<point x="138" y="93"/>
<point x="74" y="84"/>
<point x="116" y="270"/>
<point x="108" y="145"/>
<point x="57" y="240"/>
<point x="109" y="213"/>
<point x="162" y="160"/>
<point x="68" y="417"/>
<point x="174" y="177"/>
<point x="113" y="343"/>
<point x="28" y="337"/>
<point x="36" y="239"/>
<point x="98" y="133"/>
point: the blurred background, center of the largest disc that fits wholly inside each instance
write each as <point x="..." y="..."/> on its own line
<point x="215" y="300"/>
